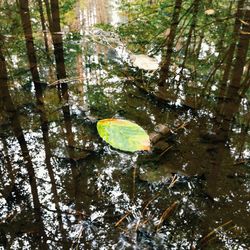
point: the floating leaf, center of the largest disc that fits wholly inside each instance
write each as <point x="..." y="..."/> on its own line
<point x="123" y="134"/>
<point x="209" y="12"/>
<point x="144" y="62"/>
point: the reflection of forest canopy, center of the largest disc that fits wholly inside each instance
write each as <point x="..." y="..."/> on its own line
<point x="204" y="51"/>
<point x="204" y="41"/>
<point x="205" y="44"/>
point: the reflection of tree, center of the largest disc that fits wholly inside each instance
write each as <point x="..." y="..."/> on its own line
<point x="222" y="178"/>
<point x="233" y="95"/>
<point x="7" y="173"/>
<point x="26" y="24"/>
<point x="9" y="108"/>
<point x="242" y="141"/>
<point x="101" y="12"/>
<point x="55" y="29"/>
<point x="27" y="28"/>
<point x="79" y="60"/>
<point x="230" y="54"/>
<point x="230" y="95"/>
<point x="46" y="39"/>
<point x="196" y="5"/>
<point x="205" y="31"/>
<point x="166" y="62"/>
<point x="56" y="32"/>
<point x="223" y="53"/>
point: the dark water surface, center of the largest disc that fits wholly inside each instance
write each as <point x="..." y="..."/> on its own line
<point x="62" y="187"/>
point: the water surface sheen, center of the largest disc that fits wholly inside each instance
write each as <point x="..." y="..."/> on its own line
<point x="62" y="186"/>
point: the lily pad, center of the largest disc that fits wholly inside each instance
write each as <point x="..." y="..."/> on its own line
<point x="123" y="134"/>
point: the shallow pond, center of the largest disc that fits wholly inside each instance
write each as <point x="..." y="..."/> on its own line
<point x="63" y="187"/>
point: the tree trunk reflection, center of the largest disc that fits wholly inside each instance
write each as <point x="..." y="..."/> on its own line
<point x="166" y="61"/>
<point x="9" y="108"/>
<point x="25" y="14"/>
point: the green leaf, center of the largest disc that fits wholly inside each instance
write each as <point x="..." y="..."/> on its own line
<point x="123" y="134"/>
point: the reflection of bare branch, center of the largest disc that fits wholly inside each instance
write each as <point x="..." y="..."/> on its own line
<point x="243" y="161"/>
<point x="77" y="240"/>
<point x="65" y="80"/>
<point x="68" y="212"/>
<point x="9" y="217"/>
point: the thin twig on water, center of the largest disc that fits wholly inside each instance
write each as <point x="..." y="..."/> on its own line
<point x="166" y="214"/>
<point x="122" y="219"/>
<point x="204" y="240"/>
